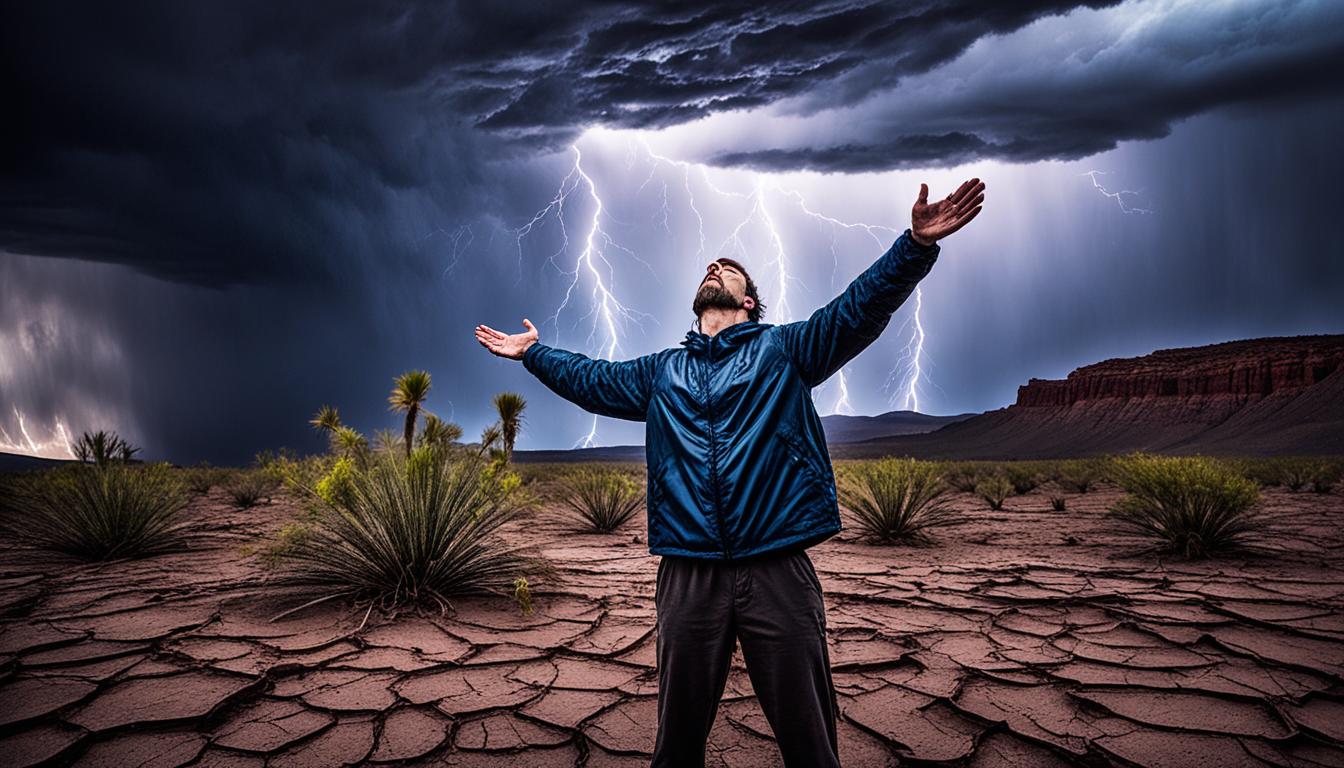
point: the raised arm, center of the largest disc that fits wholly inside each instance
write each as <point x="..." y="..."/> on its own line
<point x="836" y="333"/>
<point x="617" y="389"/>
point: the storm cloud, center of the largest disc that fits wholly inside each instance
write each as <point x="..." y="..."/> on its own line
<point x="218" y="216"/>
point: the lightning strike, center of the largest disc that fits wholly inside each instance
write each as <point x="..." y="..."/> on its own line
<point x="1117" y="196"/>
<point x="57" y="447"/>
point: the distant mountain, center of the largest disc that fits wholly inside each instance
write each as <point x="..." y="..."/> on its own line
<point x="853" y="429"/>
<point x="17" y="462"/>
<point x="838" y="429"/>
<point x="1255" y="397"/>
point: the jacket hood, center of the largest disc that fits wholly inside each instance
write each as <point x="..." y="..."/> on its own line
<point x="728" y="339"/>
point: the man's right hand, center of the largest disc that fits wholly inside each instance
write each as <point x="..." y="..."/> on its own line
<point x="505" y="345"/>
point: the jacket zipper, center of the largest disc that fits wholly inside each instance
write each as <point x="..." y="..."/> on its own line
<point x="715" y="494"/>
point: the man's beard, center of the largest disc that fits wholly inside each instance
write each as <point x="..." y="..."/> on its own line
<point x="713" y="296"/>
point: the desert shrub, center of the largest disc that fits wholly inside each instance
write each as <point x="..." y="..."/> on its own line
<point x="994" y="489"/>
<point x="603" y="498"/>
<point x="1079" y="475"/>
<point x="202" y="477"/>
<point x="99" y="512"/>
<point x="417" y="530"/>
<point x="896" y="499"/>
<point x="247" y="489"/>
<point x="1058" y="503"/>
<point x="1195" y="505"/>
<point x="1323" y="475"/>
<point x="963" y="476"/>
<point x="1024" y="477"/>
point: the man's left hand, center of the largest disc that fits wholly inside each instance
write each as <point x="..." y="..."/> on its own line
<point x="931" y="223"/>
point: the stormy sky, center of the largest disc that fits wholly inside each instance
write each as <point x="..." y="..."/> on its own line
<point x="218" y="217"/>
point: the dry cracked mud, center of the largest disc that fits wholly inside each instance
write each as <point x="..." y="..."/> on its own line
<point x="1025" y="637"/>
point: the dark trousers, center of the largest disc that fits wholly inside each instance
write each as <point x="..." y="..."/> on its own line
<point x="773" y="605"/>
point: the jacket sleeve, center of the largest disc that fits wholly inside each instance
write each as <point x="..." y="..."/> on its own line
<point x="836" y="333"/>
<point x="617" y="389"/>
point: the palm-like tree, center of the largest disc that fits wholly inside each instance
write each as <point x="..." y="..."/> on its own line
<point x="409" y="395"/>
<point x="326" y="419"/>
<point x="510" y="406"/>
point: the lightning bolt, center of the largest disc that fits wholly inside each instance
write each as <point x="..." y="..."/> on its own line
<point x="1117" y="196"/>
<point x="58" y="447"/>
<point x="606" y="308"/>
<point x="454" y="237"/>
<point x="608" y="311"/>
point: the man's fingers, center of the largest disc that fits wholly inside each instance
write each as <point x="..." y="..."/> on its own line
<point x="961" y="222"/>
<point x="965" y="190"/>
<point x="969" y="203"/>
<point x="923" y="194"/>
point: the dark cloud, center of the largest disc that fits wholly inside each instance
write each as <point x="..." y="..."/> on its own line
<point x="259" y="142"/>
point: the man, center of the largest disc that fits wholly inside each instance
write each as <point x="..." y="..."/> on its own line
<point x="740" y="483"/>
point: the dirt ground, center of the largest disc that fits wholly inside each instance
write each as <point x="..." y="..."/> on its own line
<point x="1019" y="638"/>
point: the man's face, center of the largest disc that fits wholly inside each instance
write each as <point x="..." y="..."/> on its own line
<point x="723" y="287"/>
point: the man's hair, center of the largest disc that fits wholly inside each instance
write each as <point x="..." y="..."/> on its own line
<point x="758" y="310"/>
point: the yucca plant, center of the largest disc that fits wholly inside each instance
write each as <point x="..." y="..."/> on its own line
<point x="510" y="406"/>
<point x="438" y="432"/>
<point x="604" y="499"/>
<point x="1195" y="505"/>
<point x="417" y="530"/>
<point x="994" y="489"/>
<point x="896" y="499"/>
<point x="409" y="394"/>
<point x="100" y="512"/>
<point x="103" y="447"/>
<point x="1058" y="503"/>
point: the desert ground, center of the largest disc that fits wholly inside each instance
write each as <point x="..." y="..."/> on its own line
<point x="1025" y="637"/>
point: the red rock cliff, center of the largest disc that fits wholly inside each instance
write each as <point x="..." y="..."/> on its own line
<point x="1244" y="369"/>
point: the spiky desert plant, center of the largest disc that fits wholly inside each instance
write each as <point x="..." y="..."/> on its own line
<point x="327" y="419"/>
<point x="1294" y="472"/>
<point x="492" y="438"/>
<point x="1058" y="503"/>
<point x="247" y="489"/>
<point x="408" y="395"/>
<point x="897" y="499"/>
<point x="1195" y="505"/>
<point x="103" y="447"/>
<point x="350" y="444"/>
<point x="100" y="512"/>
<point x="994" y="489"/>
<point x="604" y="499"/>
<point x="439" y="433"/>
<point x="510" y="407"/>
<point x="419" y="530"/>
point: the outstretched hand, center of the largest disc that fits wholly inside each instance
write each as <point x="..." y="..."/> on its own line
<point x="931" y="223"/>
<point x="505" y="345"/>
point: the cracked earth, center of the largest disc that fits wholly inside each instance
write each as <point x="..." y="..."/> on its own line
<point x="1019" y="638"/>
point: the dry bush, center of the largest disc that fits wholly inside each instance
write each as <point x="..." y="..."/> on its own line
<point x="896" y="499"/>
<point x="994" y="489"/>
<point x="603" y="498"/>
<point x="1194" y="505"/>
<point x="97" y="512"/>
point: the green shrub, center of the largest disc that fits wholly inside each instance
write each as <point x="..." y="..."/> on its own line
<point x="1323" y="476"/>
<point x="603" y="498"/>
<point x="201" y="478"/>
<point x="98" y="512"/>
<point x="963" y="476"/>
<point x="1079" y="475"/>
<point x="896" y="499"/>
<point x="1024" y="477"/>
<point x="1194" y="504"/>
<point x="994" y="489"/>
<point x="412" y="530"/>
<point x="249" y="488"/>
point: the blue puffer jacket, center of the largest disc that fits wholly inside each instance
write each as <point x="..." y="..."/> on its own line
<point x="737" y="459"/>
